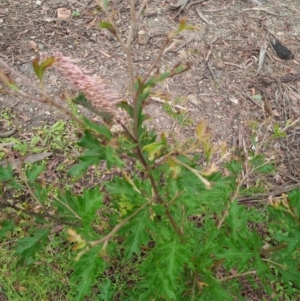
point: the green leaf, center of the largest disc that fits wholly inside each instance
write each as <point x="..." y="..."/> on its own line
<point x="81" y="208"/>
<point x="87" y="268"/>
<point x="108" y="26"/>
<point x="154" y="149"/>
<point x="5" y="173"/>
<point x="39" y="69"/>
<point x="6" y="226"/>
<point x="33" y="173"/>
<point x="101" y="129"/>
<point x="27" y="246"/>
<point x="93" y="156"/>
<point x="235" y="167"/>
<point x="163" y="269"/>
<point x="106" y="291"/>
<point x="136" y="233"/>
<point x="127" y="107"/>
<point x="112" y="158"/>
<point x="90" y="202"/>
<point x="8" y="81"/>
<point x="82" y="101"/>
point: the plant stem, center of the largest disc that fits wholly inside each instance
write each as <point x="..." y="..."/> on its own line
<point x="274" y="249"/>
<point x="31" y="213"/>
<point x="118" y="227"/>
<point x="238" y="275"/>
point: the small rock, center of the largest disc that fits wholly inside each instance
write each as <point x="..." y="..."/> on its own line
<point x="41" y="46"/>
<point x="38" y="2"/>
<point x="18" y="80"/>
<point x="144" y="37"/>
<point x="192" y="99"/>
<point x="63" y="13"/>
<point x="109" y="35"/>
<point x="93" y="38"/>
<point x="116" y="128"/>
<point x="234" y="100"/>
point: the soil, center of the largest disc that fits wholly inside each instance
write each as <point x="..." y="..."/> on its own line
<point x="222" y="87"/>
<point x="238" y="29"/>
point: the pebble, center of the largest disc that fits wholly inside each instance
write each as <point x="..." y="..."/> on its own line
<point x="144" y="37"/>
<point x="192" y="99"/>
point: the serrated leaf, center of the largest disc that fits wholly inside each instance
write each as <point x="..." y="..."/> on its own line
<point x="164" y="267"/>
<point x="5" y="173"/>
<point x="136" y="234"/>
<point x="33" y="173"/>
<point x="202" y="133"/>
<point x="155" y="149"/>
<point x="106" y="291"/>
<point x="90" y="202"/>
<point x="101" y="129"/>
<point x="27" y="246"/>
<point x="6" y="226"/>
<point x="112" y="158"/>
<point x="86" y="269"/>
<point x="81" y="208"/>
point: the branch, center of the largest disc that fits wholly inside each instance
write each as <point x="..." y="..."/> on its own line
<point x="31" y="213"/>
<point x="106" y="238"/>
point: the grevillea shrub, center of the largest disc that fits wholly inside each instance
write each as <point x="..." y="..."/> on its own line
<point x="173" y="217"/>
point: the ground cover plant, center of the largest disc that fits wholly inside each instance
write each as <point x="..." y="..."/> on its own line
<point x="167" y="224"/>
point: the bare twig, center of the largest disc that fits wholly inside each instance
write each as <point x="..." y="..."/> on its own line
<point x="210" y="48"/>
<point x="262" y="55"/>
<point x="238" y="275"/>
<point x="5" y="204"/>
<point x="258" y="9"/>
<point x="169" y="103"/>
<point x="7" y="134"/>
<point x="202" y="17"/>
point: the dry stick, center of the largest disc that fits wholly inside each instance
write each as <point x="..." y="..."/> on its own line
<point x="237" y="275"/>
<point x="261" y="59"/>
<point x="46" y="100"/>
<point x="7" y="134"/>
<point x="156" y="60"/>
<point x="202" y="17"/>
<point x="50" y="102"/>
<point x="184" y="44"/>
<point x="32" y="213"/>
<point x="243" y="180"/>
<point x="169" y="103"/>
<point x="258" y="9"/>
<point x="196" y="2"/>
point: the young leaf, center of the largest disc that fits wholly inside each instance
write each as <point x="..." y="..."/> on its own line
<point x="87" y="268"/>
<point x="33" y="173"/>
<point x="154" y="149"/>
<point x="39" y="69"/>
<point x="6" y="226"/>
<point x="106" y="291"/>
<point x="101" y="129"/>
<point x="136" y="233"/>
<point x="27" y="246"/>
<point x="8" y="81"/>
